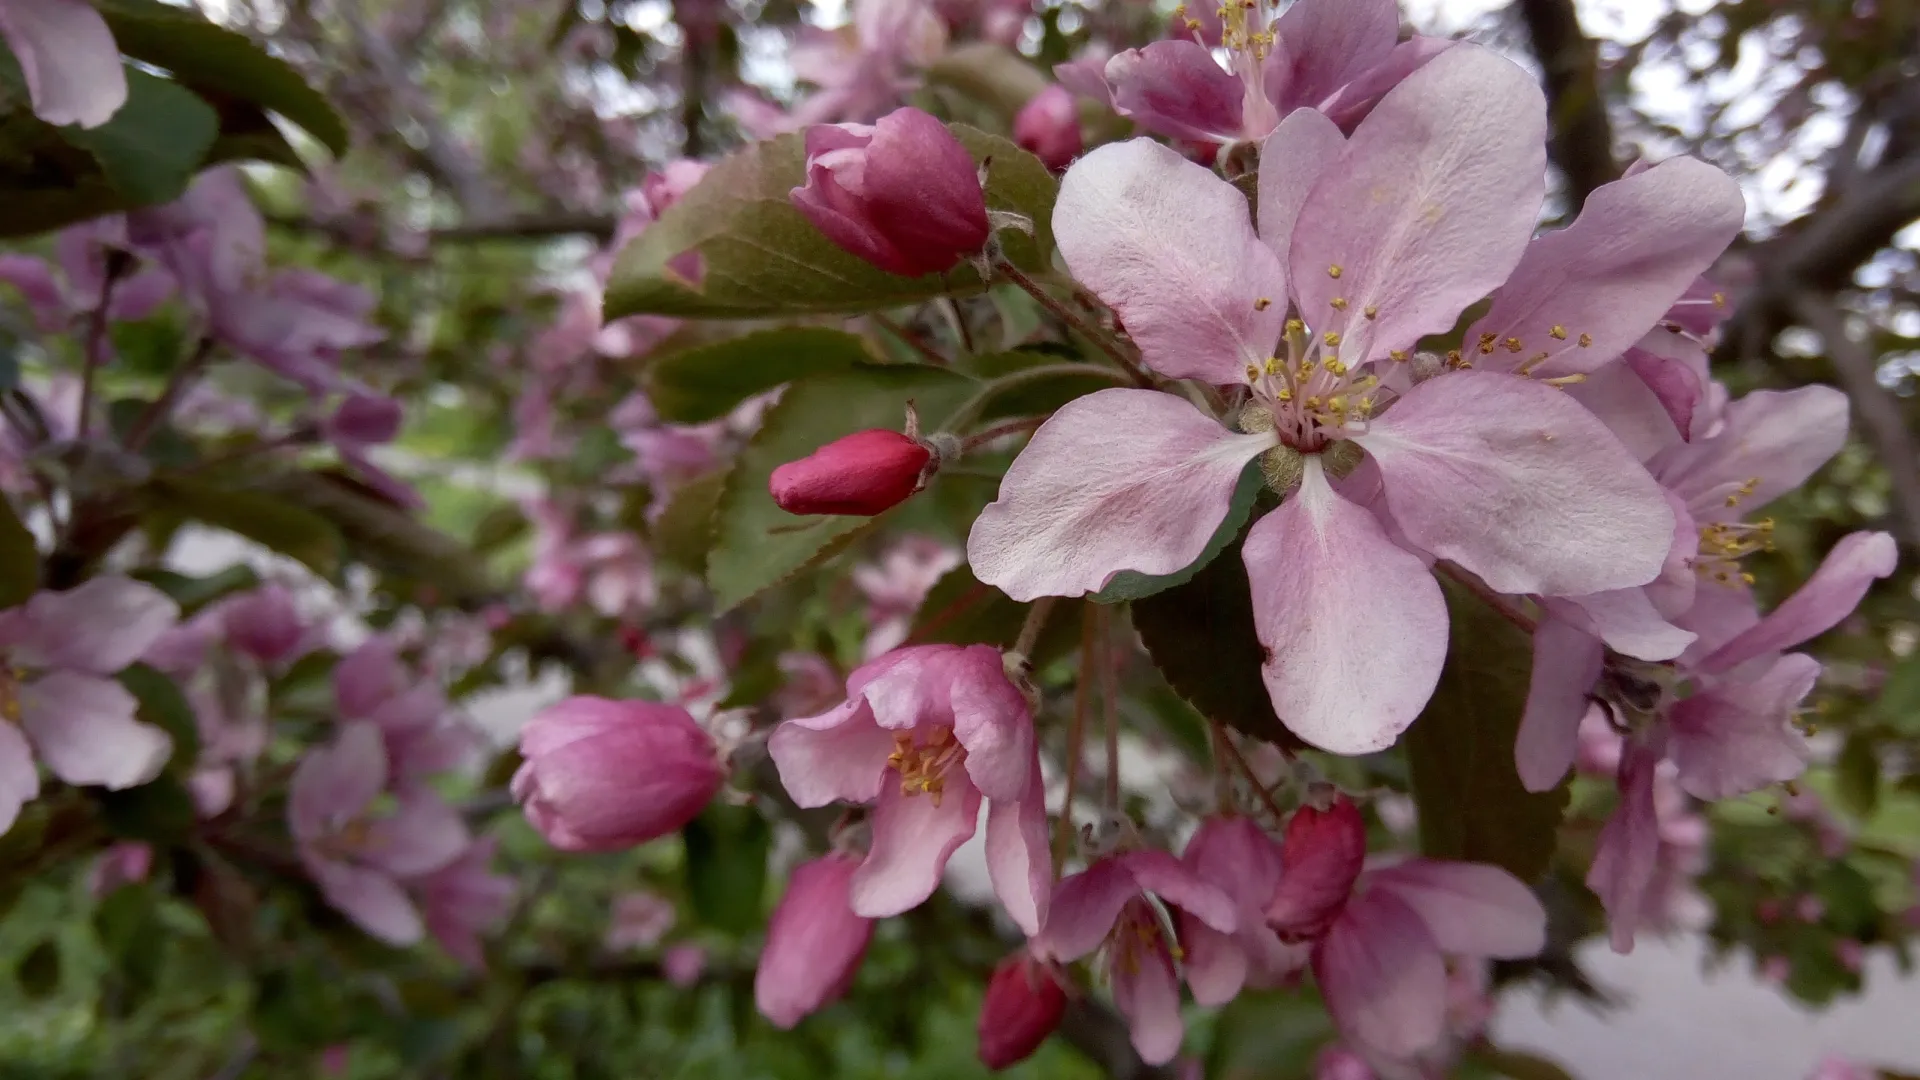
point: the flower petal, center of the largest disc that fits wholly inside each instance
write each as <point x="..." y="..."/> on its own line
<point x="335" y="782"/>
<point x="1470" y="909"/>
<point x="913" y="837"/>
<point x="19" y="780"/>
<point x="1514" y="481"/>
<point x="991" y="719"/>
<point x="1740" y="737"/>
<point x="1383" y="977"/>
<point x="1213" y="962"/>
<point x="1117" y="480"/>
<point x="1147" y="993"/>
<point x="100" y="626"/>
<point x="83" y="727"/>
<point x="1354" y="626"/>
<point x="371" y="898"/>
<point x="1629" y="851"/>
<point x="1171" y="248"/>
<point x="1628" y="406"/>
<point x="1172" y="881"/>
<point x="68" y="56"/>
<point x="1174" y="88"/>
<point x="423" y="835"/>
<point x="1627" y="621"/>
<point x="1291" y="162"/>
<point x="1584" y="293"/>
<point x="1329" y="43"/>
<point x="1672" y="381"/>
<point x="1830" y="595"/>
<point x="1774" y="439"/>
<point x="1018" y="862"/>
<point x="1429" y="206"/>
<point x="1084" y="908"/>
<point x="839" y="755"/>
<point x="1566" y="661"/>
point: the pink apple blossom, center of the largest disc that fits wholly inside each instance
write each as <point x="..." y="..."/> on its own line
<point x="1106" y="906"/>
<point x="1235" y="853"/>
<point x="815" y="942"/>
<point x="1048" y="125"/>
<point x="928" y="733"/>
<point x="69" y="288"/>
<point x="602" y="775"/>
<point x="59" y="702"/>
<point x="1502" y="474"/>
<point x="266" y="625"/>
<point x="423" y="737"/>
<point x="1023" y="1005"/>
<point x="360" y="857"/>
<point x="464" y="900"/>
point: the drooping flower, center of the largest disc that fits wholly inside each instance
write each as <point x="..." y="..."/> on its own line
<point x="602" y="775"/>
<point x="815" y="942"/>
<point x="265" y="624"/>
<point x="422" y="736"/>
<point x="70" y="287"/>
<point x="1236" y="853"/>
<point x="359" y="858"/>
<point x="59" y="702"/>
<point x="68" y="58"/>
<point x="1048" y="125"/>
<point x="901" y="193"/>
<point x="1377" y="240"/>
<point x="1023" y="1005"/>
<point x="1107" y="905"/>
<point x="926" y="734"/>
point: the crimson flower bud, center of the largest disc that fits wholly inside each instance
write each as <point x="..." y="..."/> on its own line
<point x="1023" y="1006"/>
<point x="604" y="775"/>
<point x="814" y="942"/>
<point x="902" y="193"/>
<point x="864" y="473"/>
<point x="1048" y="125"/>
<point x="1320" y="857"/>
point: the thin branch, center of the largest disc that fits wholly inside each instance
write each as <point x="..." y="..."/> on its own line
<point x="1067" y="315"/>
<point x="1076" y="734"/>
<point x="1881" y="420"/>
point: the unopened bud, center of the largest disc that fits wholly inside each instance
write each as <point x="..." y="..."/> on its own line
<point x="1048" y="125"/>
<point x="901" y="193"/>
<point x="604" y="775"/>
<point x="1023" y="1006"/>
<point x="1320" y="857"/>
<point x="863" y="474"/>
<point x="814" y="942"/>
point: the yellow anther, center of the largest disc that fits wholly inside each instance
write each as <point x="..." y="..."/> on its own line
<point x="1252" y="373"/>
<point x="1398" y="355"/>
<point x="1748" y="578"/>
<point x="1372" y="311"/>
<point x="1337" y="404"/>
<point x="1262" y="304"/>
<point x="1331" y="337"/>
<point x="1512" y="344"/>
<point x="1586" y="340"/>
<point x="1274" y="365"/>
<point x="1334" y="366"/>
<point x="1719" y="299"/>
<point x="1334" y="272"/>
<point x="1558" y="332"/>
<point x="1454" y="359"/>
<point x="1313" y="402"/>
<point x="1295" y="326"/>
<point x="1283" y="394"/>
<point x="1486" y="343"/>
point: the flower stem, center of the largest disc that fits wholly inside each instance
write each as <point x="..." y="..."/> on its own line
<point x="1076" y="732"/>
<point x="1073" y="319"/>
<point x="1487" y="596"/>
<point x="1224" y="741"/>
<point x="1037" y="614"/>
<point x="95" y="349"/>
<point x="1110" y="710"/>
<point x="911" y="339"/>
<point x="183" y="376"/>
<point x="981" y="438"/>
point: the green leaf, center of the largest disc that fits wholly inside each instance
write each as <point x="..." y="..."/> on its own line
<point x="1460" y="751"/>
<point x="684" y="532"/>
<point x="384" y="535"/>
<point x="1518" y="1064"/>
<point x="755" y="543"/>
<point x="159" y="812"/>
<point x="1031" y="382"/>
<point x="726" y="868"/>
<point x="961" y="610"/>
<point x="1856" y="775"/>
<point x="19" y="559"/>
<point x="760" y="256"/>
<point x="991" y="74"/>
<point x="1201" y="636"/>
<point x="1132" y="585"/>
<point x="704" y="384"/>
<point x="128" y="925"/>
<point x="154" y="144"/>
<point x="164" y="706"/>
<point x="38" y="972"/>
<point x="266" y="519"/>
<point x="194" y="593"/>
<point x="209" y="57"/>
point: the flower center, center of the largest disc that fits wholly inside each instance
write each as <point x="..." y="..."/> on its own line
<point x="1724" y="544"/>
<point x="1139" y="932"/>
<point x="1315" y="396"/>
<point x="923" y="765"/>
<point x="11" y="680"/>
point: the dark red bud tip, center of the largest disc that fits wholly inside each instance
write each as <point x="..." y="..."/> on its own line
<point x="1320" y="858"/>
<point x="1023" y="1006"/>
<point x="863" y="474"/>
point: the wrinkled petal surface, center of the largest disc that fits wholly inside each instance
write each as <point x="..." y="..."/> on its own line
<point x="1830" y="595"/>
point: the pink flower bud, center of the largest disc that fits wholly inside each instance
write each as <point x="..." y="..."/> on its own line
<point x="1023" y="1006"/>
<point x="1049" y="126"/>
<point x="864" y="473"/>
<point x="902" y="193"/>
<point x="604" y="775"/>
<point x="814" y="942"/>
<point x="1319" y="860"/>
<point x="264" y="624"/>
